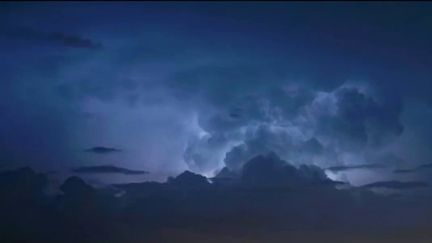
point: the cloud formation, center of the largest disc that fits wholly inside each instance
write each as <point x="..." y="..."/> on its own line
<point x="397" y="184"/>
<point x="213" y="90"/>
<point x="355" y="167"/>
<point x="420" y="168"/>
<point x="107" y="169"/>
<point x="189" y="202"/>
<point x="319" y="129"/>
<point x="29" y="34"/>
<point x="171" y="82"/>
<point x="271" y="170"/>
<point x="102" y="150"/>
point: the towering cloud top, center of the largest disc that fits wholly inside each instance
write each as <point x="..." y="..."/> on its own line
<point x="200" y="87"/>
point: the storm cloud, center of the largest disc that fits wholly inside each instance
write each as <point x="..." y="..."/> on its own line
<point x="257" y="122"/>
<point x="201" y="88"/>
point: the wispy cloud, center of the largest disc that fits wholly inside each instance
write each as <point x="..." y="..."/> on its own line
<point x="102" y="169"/>
<point x="102" y="150"/>
<point x="356" y="167"/>
<point x="65" y="39"/>
<point x="397" y="184"/>
<point x="419" y="168"/>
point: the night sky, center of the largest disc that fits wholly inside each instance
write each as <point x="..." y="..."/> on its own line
<point x="269" y="93"/>
<point x="197" y="86"/>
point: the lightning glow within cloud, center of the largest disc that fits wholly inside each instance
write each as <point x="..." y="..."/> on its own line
<point x="200" y="88"/>
<point x="206" y="140"/>
<point x="299" y="139"/>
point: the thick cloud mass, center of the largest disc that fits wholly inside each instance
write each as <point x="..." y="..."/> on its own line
<point x="271" y="170"/>
<point x="320" y="131"/>
<point x="204" y="87"/>
<point x="270" y="198"/>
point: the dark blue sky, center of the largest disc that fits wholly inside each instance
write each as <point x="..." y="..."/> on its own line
<point x="198" y="86"/>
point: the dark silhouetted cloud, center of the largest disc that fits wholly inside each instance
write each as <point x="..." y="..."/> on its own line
<point x="107" y="169"/>
<point x="102" y="150"/>
<point x="76" y="186"/>
<point x="355" y="167"/>
<point x="397" y="184"/>
<point x="24" y="181"/>
<point x="189" y="202"/>
<point x="420" y="168"/>
<point x="188" y="178"/>
<point x="34" y="35"/>
<point x="269" y="169"/>
<point x="425" y="167"/>
<point x="401" y="171"/>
